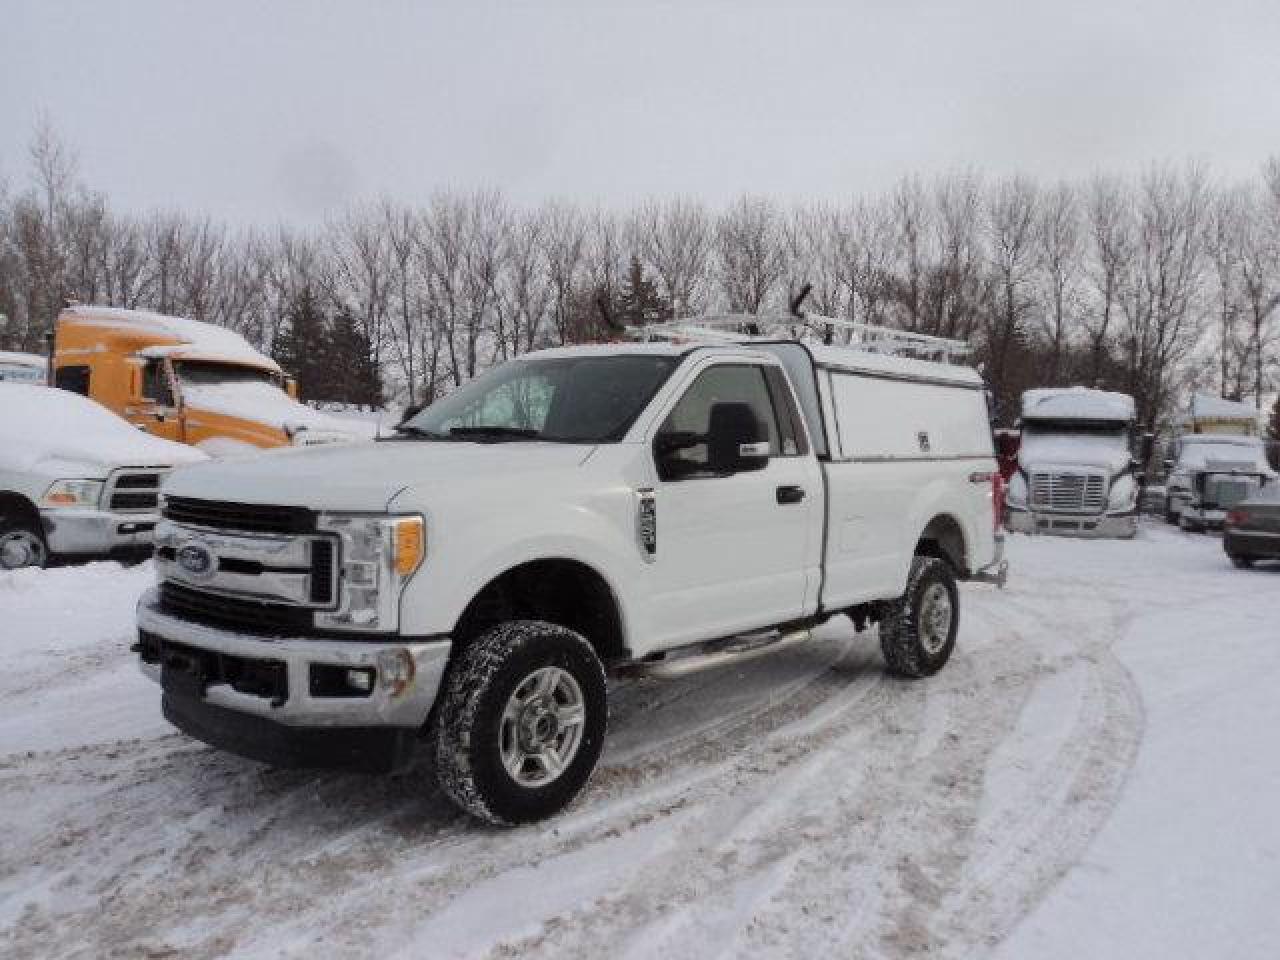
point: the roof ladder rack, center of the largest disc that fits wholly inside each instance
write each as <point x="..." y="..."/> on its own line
<point x="812" y="327"/>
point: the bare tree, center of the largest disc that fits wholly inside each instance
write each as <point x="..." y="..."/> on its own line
<point x="1110" y="246"/>
<point x="673" y="239"/>
<point x="1011" y="222"/>
<point x="1059" y="242"/>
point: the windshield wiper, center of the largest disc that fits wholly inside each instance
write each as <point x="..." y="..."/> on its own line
<point x="408" y="429"/>
<point x="495" y="433"/>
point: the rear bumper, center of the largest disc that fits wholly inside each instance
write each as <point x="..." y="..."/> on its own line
<point x="303" y="723"/>
<point x="96" y="532"/>
<point x="1115" y="525"/>
<point x="1251" y="543"/>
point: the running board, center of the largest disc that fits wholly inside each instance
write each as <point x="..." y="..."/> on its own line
<point x="723" y="653"/>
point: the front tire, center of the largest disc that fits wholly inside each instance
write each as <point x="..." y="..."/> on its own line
<point x="521" y="722"/>
<point x="919" y="632"/>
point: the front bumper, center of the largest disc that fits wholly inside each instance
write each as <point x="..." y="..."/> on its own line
<point x="1256" y="544"/>
<point x="1114" y="525"/>
<point x="301" y="726"/>
<point x="96" y="532"/>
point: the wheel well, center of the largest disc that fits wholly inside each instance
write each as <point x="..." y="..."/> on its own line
<point x="16" y="505"/>
<point x="943" y="538"/>
<point x="561" y="591"/>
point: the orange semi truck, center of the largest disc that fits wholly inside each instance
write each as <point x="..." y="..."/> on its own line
<point x="185" y="380"/>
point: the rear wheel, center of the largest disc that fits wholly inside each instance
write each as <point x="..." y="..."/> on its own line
<point x="919" y="632"/>
<point x="521" y="722"/>
<point x="21" y="544"/>
<point x="1241" y="563"/>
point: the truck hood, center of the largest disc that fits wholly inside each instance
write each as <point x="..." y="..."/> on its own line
<point x="367" y="476"/>
<point x="270" y="406"/>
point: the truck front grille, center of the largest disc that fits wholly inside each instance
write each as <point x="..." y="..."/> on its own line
<point x="134" y="491"/>
<point x="1068" y="492"/>
<point x="241" y="614"/>
<point x="243" y="517"/>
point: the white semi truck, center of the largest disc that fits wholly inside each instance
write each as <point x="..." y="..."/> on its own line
<point x="1077" y="474"/>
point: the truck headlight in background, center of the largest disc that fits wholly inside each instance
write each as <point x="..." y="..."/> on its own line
<point x="1123" y="495"/>
<point x="72" y="493"/>
<point x="378" y="556"/>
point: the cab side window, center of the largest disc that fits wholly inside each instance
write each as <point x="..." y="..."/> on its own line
<point x="73" y="378"/>
<point x="155" y="385"/>
<point x="691" y="416"/>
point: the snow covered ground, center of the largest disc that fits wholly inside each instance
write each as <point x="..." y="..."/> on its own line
<point x="1095" y="774"/>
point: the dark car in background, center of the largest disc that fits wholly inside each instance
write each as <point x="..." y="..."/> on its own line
<point x="1251" y="531"/>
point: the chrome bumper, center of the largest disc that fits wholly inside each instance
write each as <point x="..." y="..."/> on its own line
<point x="1117" y="526"/>
<point x="95" y="532"/>
<point x="381" y="708"/>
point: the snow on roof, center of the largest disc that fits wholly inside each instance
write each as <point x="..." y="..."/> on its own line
<point x="44" y="424"/>
<point x="197" y="338"/>
<point x="1207" y="406"/>
<point x="1076" y="403"/>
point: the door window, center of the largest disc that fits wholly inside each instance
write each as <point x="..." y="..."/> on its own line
<point x="726" y="383"/>
<point x="75" y="379"/>
<point x="155" y="385"/>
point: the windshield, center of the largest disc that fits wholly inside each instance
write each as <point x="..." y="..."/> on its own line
<point x="1095" y="444"/>
<point x="205" y="373"/>
<point x="582" y="399"/>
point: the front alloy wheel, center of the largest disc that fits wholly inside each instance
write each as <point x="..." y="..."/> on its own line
<point x="521" y="721"/>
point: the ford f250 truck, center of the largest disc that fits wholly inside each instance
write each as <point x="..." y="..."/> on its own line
<point x="650" y="508"/>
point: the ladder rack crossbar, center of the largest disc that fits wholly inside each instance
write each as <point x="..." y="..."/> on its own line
<point x="746" y="327"/>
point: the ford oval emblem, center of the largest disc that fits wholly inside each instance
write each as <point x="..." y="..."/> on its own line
<point x="197" y="560"/>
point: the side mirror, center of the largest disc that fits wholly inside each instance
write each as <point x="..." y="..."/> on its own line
<point x="736" y="439"/>
<point x="411" y="411"/>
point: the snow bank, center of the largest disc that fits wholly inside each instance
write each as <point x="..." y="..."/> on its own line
<point x="195" y="336"/>
<point x="1076" y="403"/>
<point x="44" y="426"/>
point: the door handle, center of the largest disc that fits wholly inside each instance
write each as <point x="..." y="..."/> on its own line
<point x="790" y="494"/>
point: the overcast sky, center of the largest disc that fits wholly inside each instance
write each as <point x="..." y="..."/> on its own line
<point x="264" y="111"/>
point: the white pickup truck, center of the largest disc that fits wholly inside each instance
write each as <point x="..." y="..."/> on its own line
<point x="650" y="508"/>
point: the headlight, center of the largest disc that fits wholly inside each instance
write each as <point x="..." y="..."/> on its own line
<point x="379" y="554"/>
<point x="72" y="493"/>
<point x="1124" y="493"/>
<point x="1017" y="493"/>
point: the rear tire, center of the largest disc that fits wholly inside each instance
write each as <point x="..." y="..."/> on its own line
<point x="522" y="722"/>
<point x="1241" y="563"/>
<point x="21" y="543"/>
<point x="919" y="632"/>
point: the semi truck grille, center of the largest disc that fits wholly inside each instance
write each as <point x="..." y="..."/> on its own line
<point x="134" y="491"/>
<point x="1068" y="492"/>
<point x="245" y="517"/>
<point x="235" y="613"/>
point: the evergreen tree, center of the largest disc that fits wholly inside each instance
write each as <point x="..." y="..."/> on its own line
<point x="301" y="346"/>
<point x="353" y="373"/>
<point x="640" y="302"/>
